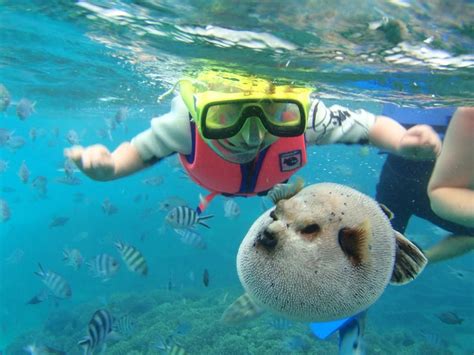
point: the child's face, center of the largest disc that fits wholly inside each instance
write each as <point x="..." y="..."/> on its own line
<point x="253" y="136"/>
<point x="246" y="144"/>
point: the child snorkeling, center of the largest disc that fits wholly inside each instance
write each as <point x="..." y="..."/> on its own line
<point x="241" y="135"/>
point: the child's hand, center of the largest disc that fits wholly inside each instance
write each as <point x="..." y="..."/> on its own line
<point x="95" y="161"/>
<point x="420" y="142"/>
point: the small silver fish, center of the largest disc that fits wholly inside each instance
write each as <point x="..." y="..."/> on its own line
<point x="39" y="298"/>
<point x="16" y="142"/>
<point x="153" y="181"/>
<point x="4" y="164"/>
<point x="5" y="213"/>
<point x="449" y="318"/>
<point x="15" y="257"/>
<point x="58" y="222"/>
<point x="40" y="183"/>
<point x="69" y="180"/>
<point x="33" y="134"/>
<point x="5" y="136"/>
<point x="108" y="207"/>
<point x="5" y="98"/>
<point x="24" y="108"/>
<point x="73" y="257"/>
<point x="231" y="209"/>
<point x="24" y="173"/>
<point x="72" y="137"/>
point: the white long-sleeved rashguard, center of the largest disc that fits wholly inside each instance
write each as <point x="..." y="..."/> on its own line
<point x="170" y="133"/>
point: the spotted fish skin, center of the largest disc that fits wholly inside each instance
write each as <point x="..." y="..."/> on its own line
<point x="56" y="284"/>
<point x="335" y="244"/>
<point x="133" y="258"/>
<point x="98" y="329"/>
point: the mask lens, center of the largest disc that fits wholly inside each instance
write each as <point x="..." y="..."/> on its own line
<point x="225" y="119"/>
<point x="223" y="115"/>
<point x="284" y="114"/>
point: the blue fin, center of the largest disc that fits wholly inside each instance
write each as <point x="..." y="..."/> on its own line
<point x="324" y="329"/>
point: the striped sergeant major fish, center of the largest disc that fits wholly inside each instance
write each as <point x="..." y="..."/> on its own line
<point x="169" y="346"/>
<point x="55" y="283"/>
<point x="124" y="325"/>
<point x="132" y="257"/>
<point x="103" y="266"/>
<point x="242" y="310"/>
<point x="100" y="326"/>
<point x="185" y="217"/>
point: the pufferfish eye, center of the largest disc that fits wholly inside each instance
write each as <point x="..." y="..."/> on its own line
<point x="311" y="228"/>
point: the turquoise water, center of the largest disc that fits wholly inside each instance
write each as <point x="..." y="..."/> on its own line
<point x="83" y="62"/>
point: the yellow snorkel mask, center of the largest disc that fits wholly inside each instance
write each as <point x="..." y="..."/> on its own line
<point x="222" y="103"/>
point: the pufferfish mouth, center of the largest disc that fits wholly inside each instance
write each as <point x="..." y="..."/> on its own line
<point x="267" y="240"/>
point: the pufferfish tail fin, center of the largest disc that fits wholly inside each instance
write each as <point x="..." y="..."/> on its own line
<point x="285" y="191"/>
<point x="409" y="261"/>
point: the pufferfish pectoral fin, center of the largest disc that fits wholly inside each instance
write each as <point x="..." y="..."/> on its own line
<point x="409" y="261"/>
<point x="242" y="310"/>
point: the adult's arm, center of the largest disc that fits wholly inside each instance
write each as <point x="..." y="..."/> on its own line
<point x="451" y="185"/>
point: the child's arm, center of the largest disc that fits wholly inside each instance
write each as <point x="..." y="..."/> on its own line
<point x="98" y="163"/>
<point x="168" y="134"/>
<point x="338" y="124"/>
<point x="451" y="185"/>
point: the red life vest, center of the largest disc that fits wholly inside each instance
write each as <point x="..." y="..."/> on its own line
<point x="273" y="165"/>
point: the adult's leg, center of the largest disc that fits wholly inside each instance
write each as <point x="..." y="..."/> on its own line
<point x="450" y="247"/>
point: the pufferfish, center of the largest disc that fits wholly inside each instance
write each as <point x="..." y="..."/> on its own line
<point x="324" y="253"/>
